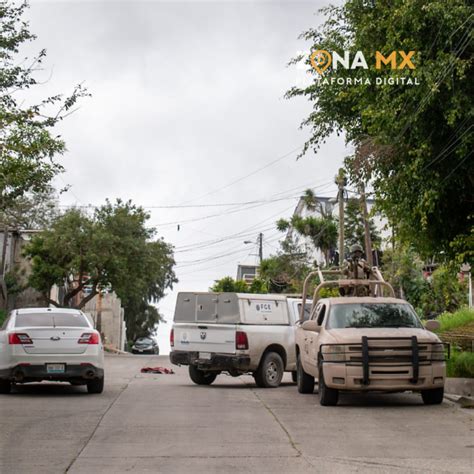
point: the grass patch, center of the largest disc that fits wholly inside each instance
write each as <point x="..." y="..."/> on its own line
<point x="460" y="364"/>
<point x="449" y="321"/>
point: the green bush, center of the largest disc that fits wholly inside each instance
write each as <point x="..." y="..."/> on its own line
<point x="460" y="364"/>
<point x="444" y="293"/>
<point x="3" y="315"/>
<point x="449" y="321"/>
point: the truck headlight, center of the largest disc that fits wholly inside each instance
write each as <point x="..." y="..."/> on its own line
<point x="437" y="352"/>
<point x="334" y="353"/>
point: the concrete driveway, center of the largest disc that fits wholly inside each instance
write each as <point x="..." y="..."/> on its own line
<point x="165" y="423"/>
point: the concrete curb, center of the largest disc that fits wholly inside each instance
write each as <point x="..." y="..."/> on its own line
<point x="459" y="386"/>
<point x="460" y="391"/>
<point x="115" y="351"/>
<point x="464" y="402"/>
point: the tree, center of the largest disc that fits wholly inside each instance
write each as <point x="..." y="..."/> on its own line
<point x="354" y="230"/>
<point x="28" y="146"/>
<point x="33" y="210"/>
<point x="112" y="249"/>
<point x="413" y="142"/>
<point x="284" y="272"/>
<point x="403" y="268"/>
<point x="141" y="318"/>
<point x="228" y="284"/>
<point x="322" y="231"/>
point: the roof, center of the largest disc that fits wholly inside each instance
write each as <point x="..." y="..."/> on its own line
<point x="251" y="296"/>
<point x="46" y="310"/>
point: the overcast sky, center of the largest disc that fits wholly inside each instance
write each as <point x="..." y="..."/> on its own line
<point x="187" y="108"/>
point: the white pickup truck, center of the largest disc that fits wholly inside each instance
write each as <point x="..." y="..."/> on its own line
<point x="236" y="333"/>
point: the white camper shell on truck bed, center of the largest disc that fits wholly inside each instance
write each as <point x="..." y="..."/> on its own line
<point x="236" y="333"/>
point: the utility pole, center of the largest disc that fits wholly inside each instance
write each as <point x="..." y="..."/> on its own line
<point x="3" y="286"/>
<point x="365" y="214"/>
<point x="99" y="312"/>
<point x="341" y="182"/>
<point x="260" y="247"/>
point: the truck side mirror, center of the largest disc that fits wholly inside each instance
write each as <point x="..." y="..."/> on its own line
<point x="432" y="325"/>
<point x="311" y="325"/>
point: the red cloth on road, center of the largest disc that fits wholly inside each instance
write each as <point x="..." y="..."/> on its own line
<point x="156" y="370"/>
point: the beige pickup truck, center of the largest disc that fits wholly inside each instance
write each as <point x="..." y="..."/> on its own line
<point x="367" y="343"/>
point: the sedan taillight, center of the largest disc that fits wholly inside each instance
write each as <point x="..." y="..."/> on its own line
<point x="89" y="338"/>
<point x="19" y="338"/>
<point x="172" y="338"/>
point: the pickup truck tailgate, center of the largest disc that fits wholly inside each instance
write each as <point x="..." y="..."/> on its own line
<point x="219" y="338"/>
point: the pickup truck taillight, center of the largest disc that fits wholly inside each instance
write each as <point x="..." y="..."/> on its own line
<point x="89" y="338"/>
<point x="172" y="338"/>
<point x="241" y="341"/>
<point x="19" y="338"/>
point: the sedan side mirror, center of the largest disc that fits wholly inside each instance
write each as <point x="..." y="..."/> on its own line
<point x="311" y="325"/>
<point x="432" y="325"/>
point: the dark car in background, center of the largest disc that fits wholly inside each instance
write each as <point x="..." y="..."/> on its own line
<point x="145" y="345"/>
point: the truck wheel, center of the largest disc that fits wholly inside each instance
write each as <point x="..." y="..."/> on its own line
<point x="305" y="381"/>
<point x="5" y="386"/>
<point x="96" y="385"/>
<point x="294" y="376"/>
<point x="328" y="397"/>
<point x="270" y="371"/>
<point x="201" y="377"/>
<point x="433" y="397"/>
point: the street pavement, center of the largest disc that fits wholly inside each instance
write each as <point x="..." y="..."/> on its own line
<point x="165" y="423"/>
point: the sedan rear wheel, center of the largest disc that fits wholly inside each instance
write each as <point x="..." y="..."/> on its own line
<point x="95" y="385"/>
<point x="5" y="386"/>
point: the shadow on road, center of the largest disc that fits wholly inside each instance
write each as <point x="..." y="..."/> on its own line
<point x="48" y="389"/>
<point x="240" y="386"/>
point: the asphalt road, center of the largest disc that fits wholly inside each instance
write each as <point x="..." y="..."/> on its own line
<point x="164" y="423"/>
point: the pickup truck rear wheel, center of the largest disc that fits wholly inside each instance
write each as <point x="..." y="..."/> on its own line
<point x="201" y="377"/>
<point x="270" y="371"/>
<point x="5" y="386"/>
<point x="305" y="381"/>
<point x="328" y="397"/>
<point x="433" y="397"/>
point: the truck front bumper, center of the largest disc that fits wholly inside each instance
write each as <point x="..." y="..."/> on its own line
<point x="347" y="377"/>
<point x="216" y="361"/>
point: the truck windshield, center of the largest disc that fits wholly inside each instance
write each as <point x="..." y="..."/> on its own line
<point x="372" y="315"/>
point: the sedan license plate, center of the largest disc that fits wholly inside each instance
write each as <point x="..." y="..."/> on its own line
<point x="205" y="355"/>
<point x="55" y="368"/>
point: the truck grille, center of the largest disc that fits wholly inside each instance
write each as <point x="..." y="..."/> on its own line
<point x="385" y="355"/>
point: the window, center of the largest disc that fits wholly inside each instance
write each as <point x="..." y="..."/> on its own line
<point x="50" y="319"/>
<point x="373" y="315"/>
<point x="307" y="310"/>
<point x="322" y="313"/>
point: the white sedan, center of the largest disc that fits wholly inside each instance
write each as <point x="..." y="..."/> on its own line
<point x="50" y="344"/>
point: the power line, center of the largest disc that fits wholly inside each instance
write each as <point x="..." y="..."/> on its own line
<point x="233" y="211"/>
<point x="238" y="180"/>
